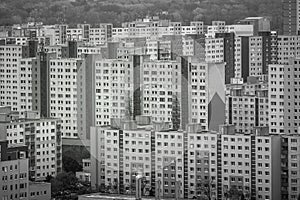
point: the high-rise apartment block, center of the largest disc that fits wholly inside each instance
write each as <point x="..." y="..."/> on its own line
<point x="247" y="105"/>
<point x="194" y="162"/>
<point x="283" y="95"/>
<point x="290" y="166"/>
<point x="42" y="136"/>
<point x="54" y="90"/>
<point x="175" y="91"/>
<point x="290" y="17"/>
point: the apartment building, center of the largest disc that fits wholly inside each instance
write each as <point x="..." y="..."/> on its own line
<point x="260" y="24"/>
<point x="199" y="102"/>
<point x="290" y="167"/>
<point x="39" y="191"/>
<point x="202" y="159"/>
<point x="85" y="174"/>
<point x="160" y="83"/>
<point x="288" y="47"/>
<point x="260" y="53"/>
<point x="291" y="21"/>
<point x="42" y="136"/>
<point x="199" y="26"/>
<point x="169" y="163"/>
<point x="250" y="163"/>
<point x="14" y="175"/>
<point x="123" y="154"/>
<point x="10" y="70"/>
<point x="63" y="94"/>
<point x="187" y="163"/>
<point x="283" y="94"/>
<point x="228" y="54"/>
<point x="55" y="90"/>
<point x="247" y="105"/>
<point x="214" y="50"/>
<point x="268" y="165"/>
<point x="215" y="27"/>
<point x="16" y="76"/>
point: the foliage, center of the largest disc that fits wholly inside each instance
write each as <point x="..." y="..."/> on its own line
<point x="118" y="11"/>
<point x="71" y="165"/>
<point x="235" y="194"/>
<point x="72" y="157"/>
<point x="65" y="184"/>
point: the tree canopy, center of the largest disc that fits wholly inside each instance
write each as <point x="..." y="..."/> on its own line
<point x="118" y="11"/>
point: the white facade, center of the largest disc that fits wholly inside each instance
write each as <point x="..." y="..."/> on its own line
<point x="114" y="89"/>
<point x="214" y="50"/>
<point x="63" y="94"/>
<point x="15" y="84"/>
<point x="44" y="149"/>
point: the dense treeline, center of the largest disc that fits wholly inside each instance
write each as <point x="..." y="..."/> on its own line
<point x="118" y="11"/>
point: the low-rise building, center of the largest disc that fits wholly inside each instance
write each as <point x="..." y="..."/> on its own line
<point x="39" y="191"/>
<point x="42" y="136"/>
<point x="14" y="169"/>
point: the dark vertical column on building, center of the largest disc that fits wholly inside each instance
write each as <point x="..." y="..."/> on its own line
<point x="32" y="34"/>
<point x="256" y="112"/>
<point x="284" y="168"/>
<point x="86" y="95"/>
<point x="229" y="58"/>
<point x="230" y="110"/>
<point x="289" y="13"/>
<point x="109" y="28"/>
<point x="185" y="68"/>
<point x="121" y="162"/>
<point x="33" y="47"/>
<point x="44" y="85"/>
<point x="30" y="50"/>
<point x="59" y="147"/>
<point x="219" y="167"/>
<point x="72" y="49"/>
<point x="86" y="31"/>
<point x="136" y="86"/>
<point x="153" y="161"/>
<point x="266" y="50"/>
<point x="159" y="50"/>
<point x="185" y="165"/>
<point x="63" y="34"/>
<point x="253" y="168"/>
<point x="94" y="159"/>
<point x="274" y="49"/>
<point x="25" y="51"/>
<point x="64" y="52"/>
<point x="245" y="58"/>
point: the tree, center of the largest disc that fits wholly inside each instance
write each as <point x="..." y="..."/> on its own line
<point x="234" y="193"/>
<point x="202" y="197"/>
<point x="49" y="178"/>
<point x="71" y="165"/>
<point x="205" y="187"/>
<point x="64" y="184"/>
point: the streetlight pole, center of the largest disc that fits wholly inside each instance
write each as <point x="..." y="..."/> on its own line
<point x="157" y="190"/>
<point x="138" y="189"/>
<point x="177" y="189"/>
